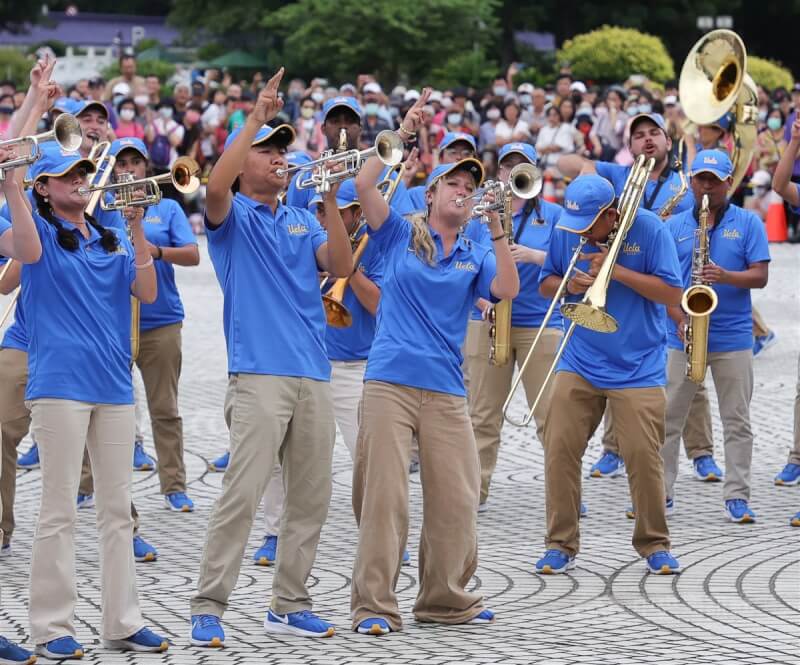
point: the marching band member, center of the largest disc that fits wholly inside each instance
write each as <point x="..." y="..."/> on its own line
<point x="170" y="241"/>
<point x="278" y="406"/>
<point x="649" y="137"/>
<point x="739" y="262"/>
<point x="534" y="221"/>
<point x="622" y="370"/>
<point x="413" y="385"/>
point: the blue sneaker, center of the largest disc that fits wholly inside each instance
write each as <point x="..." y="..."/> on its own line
<point x="11" y="654"/>
<point x="584" y="510"/>
<point x="221" y="463"/>
<point x="375" y="626"/>
<point x="85" y="501"/>
<point x="706" y="469"/>
<point x="144" y="640"/>
<point x="663" y="563"/>
<point x="554" y="562"/>
<point x="265" y="555"/>
<point x="207" y="631"/>
<point x="762" y="343"/>
<point x="487" y="616"/>
<point x="795" y="521"/>
<point x="304" y="623"/>
<point x="5" y="550"/>
<point x="738" y="511"/>
<point x="406" y="559"/>
<point x="141" y="460"/>
<point x="29" y="460"/>
<point x="61" y="648"/>
<point x="608" y="466"/>
<point x="178" y="502"/>
<point x="790" y="475"/>
<point x="143" y="551"/>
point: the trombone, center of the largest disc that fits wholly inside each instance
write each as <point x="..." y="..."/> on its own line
<point x="388" y="148"/>
<point x="591" y="311"/>
<point x="66" y="132"/>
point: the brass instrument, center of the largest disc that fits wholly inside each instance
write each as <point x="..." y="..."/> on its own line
<point x="66" y="132"/>
<point x="524" y="181"/>
<point x="499" y="315"/>
<point x="714" y="81"/>
<point x="698" y="301"/>
<point x="591" y="311"/>
<point x="666" y="210"/>
<point x="388" y="148"/>
<point x="336" y="313"/>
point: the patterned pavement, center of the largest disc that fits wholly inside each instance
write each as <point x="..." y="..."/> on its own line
<point x="738" y="600"/>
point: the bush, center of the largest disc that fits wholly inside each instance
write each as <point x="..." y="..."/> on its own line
<point x="769" y="73"/>
<point x="610" y="54"/>
<point x="15" y="66"/>
<point x="468" y="68"/>
<point x="164" y="70"/>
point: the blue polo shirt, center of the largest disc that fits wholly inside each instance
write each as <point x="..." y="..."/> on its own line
<point x="354" y="343"/>
<point x="416" y="198"/>
<point x="738" y="241"/>
<point x="529" y="307"/>
<point x="422" y="317"/>
<point x="80" y="346"/>
<point x="633" y="356"/>
<point x="618" y="174"/>
<point x="266" y="265"/>
<point x="165" y="225"/>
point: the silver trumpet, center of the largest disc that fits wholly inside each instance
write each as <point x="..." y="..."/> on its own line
<point x="66" y="132"/>
<point x="525" y="182"/>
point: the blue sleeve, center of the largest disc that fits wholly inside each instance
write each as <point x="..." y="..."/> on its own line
<point x="318" y="235"/>
<point x="483" y="284"/>
<point x="554" y="263"/>
<point x="5" y="225"/>
<point x="393" y="231"/>
<point x="180" y="233"/>
<point x="218" y="235"/>
<point x="373" y="266"/>
<point x="615" y="173"/>
<point x="756" y="247"/>
<point x="662" y="261"/>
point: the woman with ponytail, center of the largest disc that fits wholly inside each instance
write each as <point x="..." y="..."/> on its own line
<point x="79" y="391"/>
<point x="414" y="386"/>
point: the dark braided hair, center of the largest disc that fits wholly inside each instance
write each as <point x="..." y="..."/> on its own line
<point x="67" y="240"/>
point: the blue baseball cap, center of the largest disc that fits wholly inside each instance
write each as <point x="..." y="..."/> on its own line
<point x="129" y="143"/>
<point x="88" y="105"/>
<point x="282" y="133"/>
<point x="524" y="149"/>
<point x="584" y="199"/>
<point x="66" y="105"/>
<point x="297" y="157"/>
<point x="712" y="161"/>
<point x="346" y="196"/>
<point x="54" y="162"/>
<point x="656" y="118"/>
<point x="451" y="137"/>
<point x="470" y="164"/>
<point x="345" y="101"/>
<point x="724" y="123"/>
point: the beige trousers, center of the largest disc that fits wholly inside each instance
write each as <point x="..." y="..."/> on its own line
<point x="271" y="419"/>
<point x="62" y="428"/>
<point x="794" y="454"/>
<point x="450" y="475"/>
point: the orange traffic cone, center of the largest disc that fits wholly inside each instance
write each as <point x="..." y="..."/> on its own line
<point x="549" y="190"/>
<point x="776" y="220"/>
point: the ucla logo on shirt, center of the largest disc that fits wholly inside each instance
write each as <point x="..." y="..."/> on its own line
<point x="297" y="229"/>
<point x="675" y="188"/>
<point x="731" y="234"/>
<point x="152" y="219"/>
<point x="469" y="266"/>
<point x="631" y="248"/>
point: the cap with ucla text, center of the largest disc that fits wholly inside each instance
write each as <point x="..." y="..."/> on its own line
<point x="129" y="143"/>
<point x="656" y="118"/>
<point x="451" y="137"/>
<point x="712" y="161"/>
<point x="470" y="164"/>
<point x="586" y="197"/>
<point x="524" y="149"/>
<point x="283" y="134"/>
<point x="342" y="101"/>
<point x="54" y="162"/>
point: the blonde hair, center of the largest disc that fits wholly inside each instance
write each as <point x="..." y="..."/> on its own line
<point x="421" y="238"/>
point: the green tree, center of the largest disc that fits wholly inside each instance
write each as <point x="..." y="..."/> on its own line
<point x="15" y="66"/>
<point x="769" y="73"/>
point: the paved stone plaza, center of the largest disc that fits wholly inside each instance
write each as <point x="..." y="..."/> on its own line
<point x="738" y="600"/>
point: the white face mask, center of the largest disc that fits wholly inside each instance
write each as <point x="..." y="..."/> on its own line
<point x="454" y="118"/>
<point x="127" y="114"/>
<point x="141" y="100"/>
<point x="318" y="97"/>
<point x="447" y="102"/>
<point x="493" y="114"/>
<point x="166" y="112"/>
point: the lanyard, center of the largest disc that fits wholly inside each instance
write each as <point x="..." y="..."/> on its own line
<point x="648" y="202"/>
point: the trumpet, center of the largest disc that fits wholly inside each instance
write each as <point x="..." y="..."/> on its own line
<point x="66" y="132"/>
<point x="388" y="148"/>
<point x="127" y="192"/>
<point x="524" y="182"/>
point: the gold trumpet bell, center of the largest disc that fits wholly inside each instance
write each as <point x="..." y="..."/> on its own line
<point x="68" y="133"/>
<point x="337" y="315"/>
<point x="389" y="147"/>
<point x="184" y="174"/>
<point x="589" y="316"/>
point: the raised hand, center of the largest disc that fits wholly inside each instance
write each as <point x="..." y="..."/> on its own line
<point x="414" y="116"/>
<point x="269" y="104"/>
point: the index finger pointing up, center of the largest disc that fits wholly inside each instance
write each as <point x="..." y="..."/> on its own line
<point x="275" y="81"/>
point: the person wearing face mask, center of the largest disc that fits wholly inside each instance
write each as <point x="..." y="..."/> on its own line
<point x="6" y="111"/>
<point x="771" y="143"/>
<point x="373" y="123"/>
<point x="486" y="136"/>
<point x="511" y="127"/>
<point x="413" y="385"/>
<point x="128" y="126"/>
<point x="164" y="136"/>
<point x="310" y="137"/>
<point x="611" y="121"/>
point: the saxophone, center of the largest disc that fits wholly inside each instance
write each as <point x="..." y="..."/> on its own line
<point x="500" y="314"/>
<point x="669" y="206"/>
<point x="698" y="301"/>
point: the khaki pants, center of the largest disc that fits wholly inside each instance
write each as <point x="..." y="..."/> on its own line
<point x="732" y="372"/>
<point x="62" y="428"/>
<point x="347" y="384"/>
<point x="159" y="361"/>
<point x="760" y="327"/>
<point x="15" y="421"/>
<point x="576" y="408"/>
<point x="271" y="419"/>
<point x="794" y="454"/>
<point x="490" y="385"/>
<point x="698" y="437"/>
<point x="450" y="475"/>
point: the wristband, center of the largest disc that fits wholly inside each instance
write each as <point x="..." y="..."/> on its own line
<point x="500" y="237"/>
<point x="407" y="132"/>
<point x="144" y="265"/>
<point x="160" y="253"/>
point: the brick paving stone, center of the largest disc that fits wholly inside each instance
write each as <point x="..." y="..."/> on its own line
<point x="737" y="601"/>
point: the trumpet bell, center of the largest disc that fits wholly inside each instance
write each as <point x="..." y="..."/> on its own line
<point x="389" y="147"/>
<point x="712" y="76"/>
<point x="337" y="315"/>
<point x="588" y="316"/>
<point x="185" y="175"/>
<point x="67" y="132"/>
<point x="525" y="181"/>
